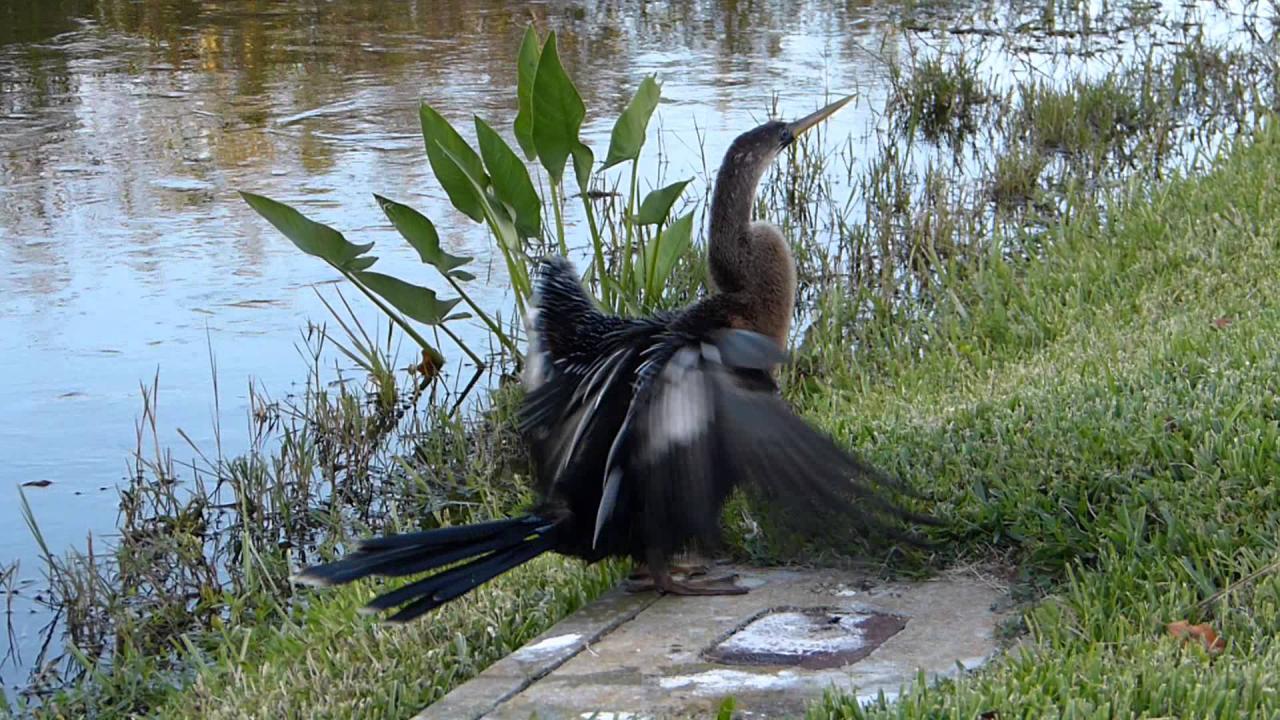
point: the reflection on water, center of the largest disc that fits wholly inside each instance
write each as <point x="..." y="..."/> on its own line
<point x="127" y="125"/>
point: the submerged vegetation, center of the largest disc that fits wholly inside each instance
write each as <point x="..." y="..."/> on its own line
<point x="1007" y="300"/>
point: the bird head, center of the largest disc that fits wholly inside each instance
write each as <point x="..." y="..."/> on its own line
<point x="762" y="144"/>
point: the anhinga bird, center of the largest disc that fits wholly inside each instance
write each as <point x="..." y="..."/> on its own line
<point x="640" y="428"/>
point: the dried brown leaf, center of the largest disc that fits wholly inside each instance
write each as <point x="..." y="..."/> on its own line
<point x="1203" y="632"/>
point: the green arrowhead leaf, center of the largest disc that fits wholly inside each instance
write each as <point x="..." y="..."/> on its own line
<point x="629" y="130"/>
<point x="666" y="250"/>
<point x="364" y="262"/>
<point x="414" y="301"/>
<point x="310" y="236"/>
<point x="656" y="205"/>
<point x="557" y="112"/>
<point x="511" y="183"/>
<point x="440" y="137"/>
<point x="583" y="159"/>
<point x="462" y="275"/>
<point x="421" y="234"/>
<point x="526" y="71"/>
<point x="504" y="231"/>
<point x="495" y="213"/>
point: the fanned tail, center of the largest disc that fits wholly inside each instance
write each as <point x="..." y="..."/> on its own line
<point x="490" y="549"/>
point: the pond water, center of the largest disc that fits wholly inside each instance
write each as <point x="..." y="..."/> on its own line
<point x="127" y="126"/>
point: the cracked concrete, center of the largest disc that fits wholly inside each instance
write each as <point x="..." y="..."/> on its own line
<point x="799" y="632"/>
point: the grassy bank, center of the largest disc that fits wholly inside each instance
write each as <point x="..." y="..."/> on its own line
<point x="1103" y="418"/>
<point x="327" y="660"/>
<point x="1005" y="300"/>
<point x="1107" y="417"/>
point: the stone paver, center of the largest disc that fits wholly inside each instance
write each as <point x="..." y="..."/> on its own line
<point x="639" y="656"/>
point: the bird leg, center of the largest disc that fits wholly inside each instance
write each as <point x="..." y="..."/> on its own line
<point x="689" y="568"/>
<point x="691" y="564"/>
<point x="661" y="580"/>
<point x="641" y="580"/>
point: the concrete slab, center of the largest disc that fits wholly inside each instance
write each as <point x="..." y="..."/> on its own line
<point x="796" y="634"/>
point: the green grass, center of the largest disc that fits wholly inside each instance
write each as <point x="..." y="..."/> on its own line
<point x="941" y="99"/>
<point x="324" y="659"/>
<point x="1107" y="415"/>
<point x="1081" y="414"/>
<point x="327" y="660"/>
<point x="1084" y="119"/>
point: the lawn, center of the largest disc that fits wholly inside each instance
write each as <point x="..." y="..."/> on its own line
<point x="1102" y="419"/>
<point x="1088" y="401"/>
<point x="1106" y="418"/>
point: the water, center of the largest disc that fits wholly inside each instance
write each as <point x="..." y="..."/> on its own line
<point x="127" y="126"/>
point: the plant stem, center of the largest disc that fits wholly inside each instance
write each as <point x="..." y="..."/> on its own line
<point x="628" y="269"/>
<point x="493" y="326"/>
<point x="651" y="269"/>
<point x="395" y="317"/>
<point x="555" y="206"/>
<point x="597" y="249"/>
<point x="474" y="358"/>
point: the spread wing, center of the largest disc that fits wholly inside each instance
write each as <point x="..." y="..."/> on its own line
<point x="578" y="376"/>
<point x="817" y="487"/>
<point x="676" y="462"/>
<point x="713" y="420"/>
<point x="647" y="426"/>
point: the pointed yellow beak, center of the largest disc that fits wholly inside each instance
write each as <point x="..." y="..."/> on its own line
<point x="800" y="126"/>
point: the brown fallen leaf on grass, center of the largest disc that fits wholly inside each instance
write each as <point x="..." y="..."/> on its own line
<point x="1222" y="322"/>
<point x="1203" y="632"/>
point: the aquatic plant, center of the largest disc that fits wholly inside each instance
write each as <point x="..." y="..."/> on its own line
<point x="930" y="270"/>
<point x="632" y="255"/>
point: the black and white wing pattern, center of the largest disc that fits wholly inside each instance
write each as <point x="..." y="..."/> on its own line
<point x="645" y="427"/>
<point x="675" y="467"/>
<point x="814" y="486"/>
<point x="711" y="420"/>
<point x="578" y="376"/>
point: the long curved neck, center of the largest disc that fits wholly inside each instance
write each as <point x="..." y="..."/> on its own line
<point x="728" y="250"/>
<point x="749" y="261"/>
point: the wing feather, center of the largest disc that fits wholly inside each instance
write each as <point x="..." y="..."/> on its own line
<point x="820" y="487"/>
<point x="645" y="426"/>
<point x="713" y="420"/>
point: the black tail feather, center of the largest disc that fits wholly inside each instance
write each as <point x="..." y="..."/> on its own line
<point x="496" y="547"/>
<point x="444" y="557"/>
<point x="431" y="585"/>
<point x="447" y="536"/>
<point x="456" y="582"/>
